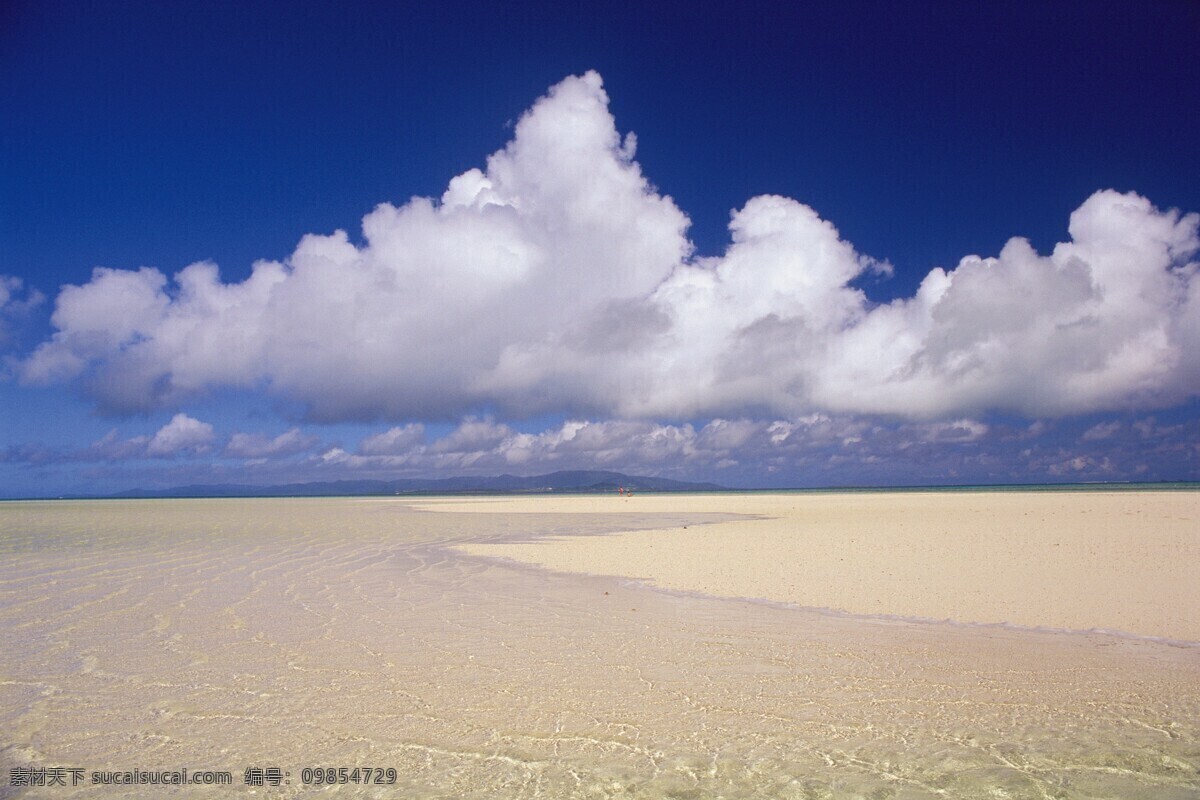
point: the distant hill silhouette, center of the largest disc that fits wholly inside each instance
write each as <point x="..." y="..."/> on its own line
<point x="567" y="481"/>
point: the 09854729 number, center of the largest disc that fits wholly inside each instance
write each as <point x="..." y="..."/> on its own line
<point x="336" y="775"/>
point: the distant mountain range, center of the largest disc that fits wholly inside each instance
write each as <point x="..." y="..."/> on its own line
<point x="568" y="481"/>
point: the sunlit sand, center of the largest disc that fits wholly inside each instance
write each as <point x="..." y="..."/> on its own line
<point x="1119" y="561"/>
<point x="230" y="634"/>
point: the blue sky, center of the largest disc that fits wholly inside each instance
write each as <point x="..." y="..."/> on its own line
<point x="569" y="296"/>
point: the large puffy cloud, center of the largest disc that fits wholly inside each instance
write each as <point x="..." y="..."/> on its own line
<point x="559" y="280"/>
<point x="1102" y="321"/>
<point x="561" y="223"/>
<point x="1107" y="320"/>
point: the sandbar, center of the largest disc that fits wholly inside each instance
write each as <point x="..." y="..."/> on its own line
<point x="1121" y="561"/>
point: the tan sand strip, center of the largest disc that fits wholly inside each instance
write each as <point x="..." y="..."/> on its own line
<point x="1126" y="561"/>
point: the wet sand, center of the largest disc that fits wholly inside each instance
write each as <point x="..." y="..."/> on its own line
<point x="226" y="635"/>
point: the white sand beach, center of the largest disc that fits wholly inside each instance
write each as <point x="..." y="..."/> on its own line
<point x="1118" y="561"/>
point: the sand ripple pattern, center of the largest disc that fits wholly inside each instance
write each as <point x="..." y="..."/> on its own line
<point x="222" y="634"/>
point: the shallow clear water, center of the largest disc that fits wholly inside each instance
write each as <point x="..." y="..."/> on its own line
<point x="227" y="634"/>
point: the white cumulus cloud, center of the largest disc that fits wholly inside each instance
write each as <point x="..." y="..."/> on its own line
<point x="260" y="445"/>
<point x="557" y="279"/>
<point x="182" y="433"/>
<point x="394" y="441"/>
